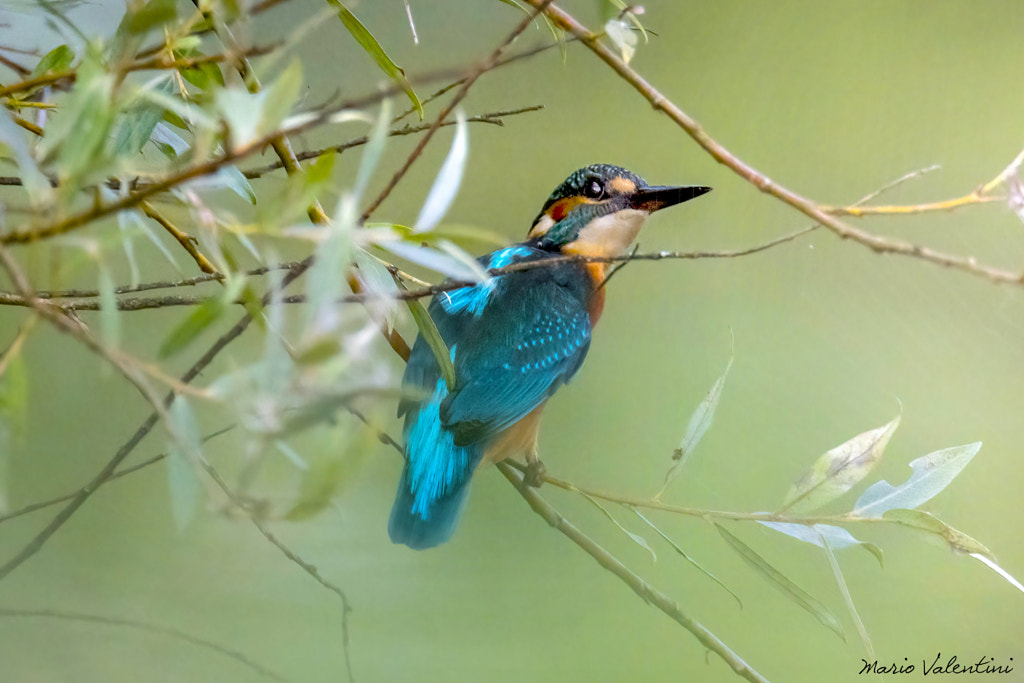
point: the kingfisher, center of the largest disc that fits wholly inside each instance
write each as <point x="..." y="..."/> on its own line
<point x="514" y="339"/>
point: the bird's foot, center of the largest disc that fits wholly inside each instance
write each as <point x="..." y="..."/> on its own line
<point x="534" y="474"/>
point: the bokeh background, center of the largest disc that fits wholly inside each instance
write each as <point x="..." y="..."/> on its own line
<point x="831" y="100"/>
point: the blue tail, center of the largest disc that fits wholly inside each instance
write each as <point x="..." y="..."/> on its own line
<point x="435" y="481"/>
<point x="431" y="527"/>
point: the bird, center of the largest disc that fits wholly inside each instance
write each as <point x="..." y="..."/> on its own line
<point x="513" y="340"/>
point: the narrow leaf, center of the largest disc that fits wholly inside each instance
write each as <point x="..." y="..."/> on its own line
<point x="448" y="180"/>
<point x="841" y="468"/>
<point x="783" y="583"/>
<point x="437" y="346"/>
<point x="280" y="97"/>
<point x="924" y="521"/>
<point x="988" y="562"/>
<point x="636" y="538"/>
<point x="374" y="49"/>
<point x="435" y="260"/>
<point x="319" y="484"/>
<point x="57" y="59"/>
<point x="700" y="422"/>
<point x="135" y="127"/>
<point x="836" y="536"/>
<point x="183" y="485"/>
<point x="837" y="573"/>
<point x="13" y="406"/>
<point x="151" y="15"/>
<point x="184" y="451"/>
<point x="932" y="473"/>
<point x="198" y="320"/>
<point x="675" y="546"/>
<point x="373" y="150"/>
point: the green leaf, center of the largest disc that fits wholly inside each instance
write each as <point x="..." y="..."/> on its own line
<point x="700" y="422"/>
<point x="685" y="556"/>
<point x="153" y="14"/>
<point x="202" y="75"/>
<point x="78" y="134"/>
<point x="13" y="407"/>
<point x="841" y="468"/>
<point x="319" y="484"/>
<point x="57" y="59"/>
<point x="783" y="583"/>
<point x="932" y="473"/>
<point x="433" y="338"/>
<point x="280" y="97"/>
<point x="183" y="485"/>
<point x="235" y="180"/>
<point x="446" y="184"/>
<point x="13" y="388"/>
<point x="182" y="457"/>
<point x="378" y="283"/>
<point x="814" y="534"/>
<point x="932" y="525"/>
<point x="837" y="573"/>
<point x="374" y="49"/>
<point x="135" y="126"/>
<point x="250" y="116"/>
<point x="202" y="317"/>
<point x="325" y="282"/>
<point x="373" y="150"/>
<point x="636" y="538"/>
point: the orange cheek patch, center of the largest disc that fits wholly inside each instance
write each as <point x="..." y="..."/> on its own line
<point x="562" y="207"/>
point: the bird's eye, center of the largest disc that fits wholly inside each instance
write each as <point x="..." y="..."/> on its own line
<point x="593" y="189"/>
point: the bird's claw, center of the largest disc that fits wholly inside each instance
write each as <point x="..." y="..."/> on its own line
<point x="534" y="474"/>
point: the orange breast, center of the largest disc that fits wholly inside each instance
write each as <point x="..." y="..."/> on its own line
<point x="519" y="438"/>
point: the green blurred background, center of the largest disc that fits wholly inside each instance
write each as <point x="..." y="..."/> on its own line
<point x="832" y="100"/>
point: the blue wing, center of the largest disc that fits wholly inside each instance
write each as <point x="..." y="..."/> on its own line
<point x="531" y="338"/>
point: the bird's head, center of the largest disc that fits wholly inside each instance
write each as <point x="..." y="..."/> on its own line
<point x="599" y="210"/>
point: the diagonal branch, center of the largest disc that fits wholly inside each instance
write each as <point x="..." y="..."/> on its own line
<point x="645" y="590"/>
<point x="719" y="153"/>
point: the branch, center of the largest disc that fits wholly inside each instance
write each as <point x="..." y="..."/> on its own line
<point x="495" y="118"/>
<point x="819" y="213"/>
<point x="648" y="593"/>
<point x="187" y="242"/>
<point x="492" y="61"/>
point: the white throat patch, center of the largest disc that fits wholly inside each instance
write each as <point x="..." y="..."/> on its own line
<point x="609" y="235"/>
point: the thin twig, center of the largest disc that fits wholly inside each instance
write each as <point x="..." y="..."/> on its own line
<point x="73" y="299"/>
<point x="292" y="556"/>
<point x="143" y="626"/>
<point x="187" y="242"/>
<point x="116" y="475"/>
<point x="495" y="118"/>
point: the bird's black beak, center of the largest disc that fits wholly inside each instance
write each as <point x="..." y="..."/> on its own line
<point x="651" y="199"/>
